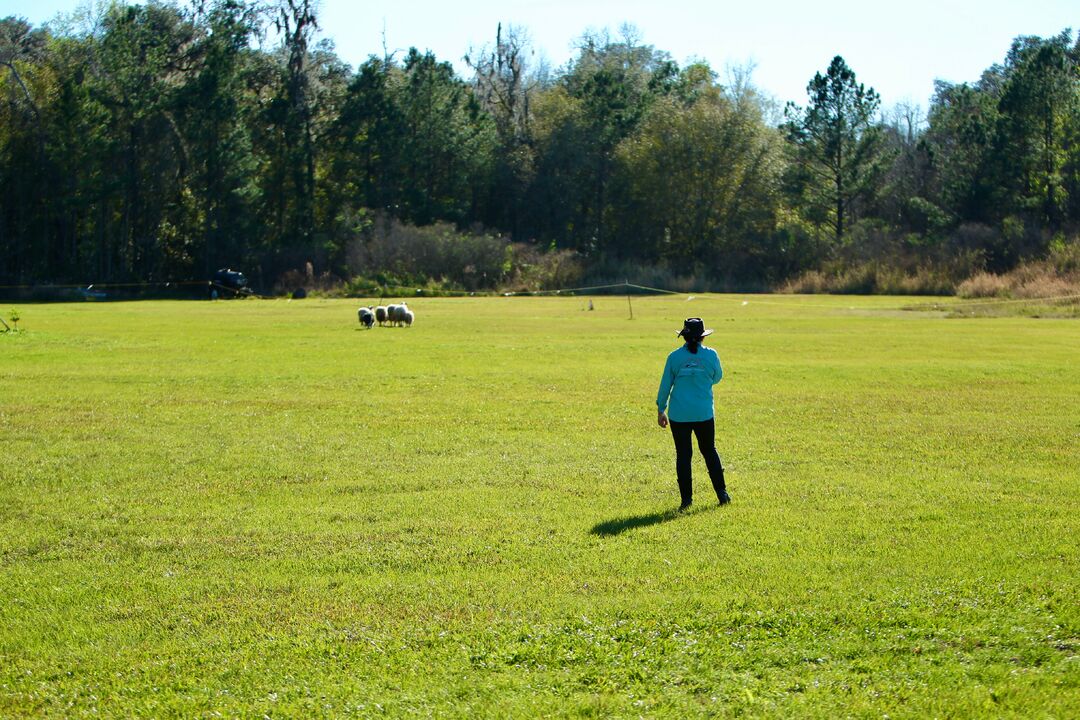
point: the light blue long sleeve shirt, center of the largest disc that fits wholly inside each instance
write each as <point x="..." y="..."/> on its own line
<point x="686" y="386"/>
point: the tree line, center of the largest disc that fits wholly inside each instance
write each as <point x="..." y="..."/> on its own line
<point x="163" y="141"/>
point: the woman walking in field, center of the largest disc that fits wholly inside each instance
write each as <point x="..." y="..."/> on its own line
<point x="686" y="394"/>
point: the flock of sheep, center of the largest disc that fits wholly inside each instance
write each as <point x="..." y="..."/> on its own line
<point x="399" y="315"/>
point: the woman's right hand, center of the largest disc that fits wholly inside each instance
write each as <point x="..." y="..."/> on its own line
<point x="661" y="418"/>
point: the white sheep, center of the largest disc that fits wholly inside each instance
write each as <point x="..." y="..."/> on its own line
<point x="409" y="317"/>
<point x="396" y="313"/>
<point x="381" y="314"/>
<point x="367" y="317"/>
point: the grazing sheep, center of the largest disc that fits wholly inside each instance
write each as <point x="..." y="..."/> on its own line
<point x="409" y="318"/>
<point x="367" y="317"/>
<point x="381" y="314"/>
<point x="396" y="314"/>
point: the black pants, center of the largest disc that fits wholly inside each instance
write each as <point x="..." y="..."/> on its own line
<point x="684" y="452"/>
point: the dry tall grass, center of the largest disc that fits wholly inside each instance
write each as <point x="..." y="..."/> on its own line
<point x="1056" y="277"/>
<point x="870" y="279"/>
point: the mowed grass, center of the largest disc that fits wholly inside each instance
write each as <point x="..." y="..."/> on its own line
<point x="256" y="508"/>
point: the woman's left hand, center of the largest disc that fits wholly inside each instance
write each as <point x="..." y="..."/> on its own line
<point x="661" y="418"/>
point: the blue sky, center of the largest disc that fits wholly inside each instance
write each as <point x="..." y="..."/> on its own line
<point x="898" y="48"/>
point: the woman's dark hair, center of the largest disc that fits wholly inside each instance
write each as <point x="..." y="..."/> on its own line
<point x="693" y="332"/>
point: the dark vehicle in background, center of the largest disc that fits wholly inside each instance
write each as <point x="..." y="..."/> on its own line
<point x="229" y="283"/>
<point x="91" y="293"/>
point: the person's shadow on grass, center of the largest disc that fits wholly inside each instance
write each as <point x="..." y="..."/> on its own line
<point x="621" y="525"/>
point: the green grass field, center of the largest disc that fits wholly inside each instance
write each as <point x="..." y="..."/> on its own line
<point x="257" y="508"/>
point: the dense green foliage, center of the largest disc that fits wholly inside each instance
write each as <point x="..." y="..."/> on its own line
<point x="256" y="508"/>
<point x="836" y="144"/>
<point x="162" y="141"/>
